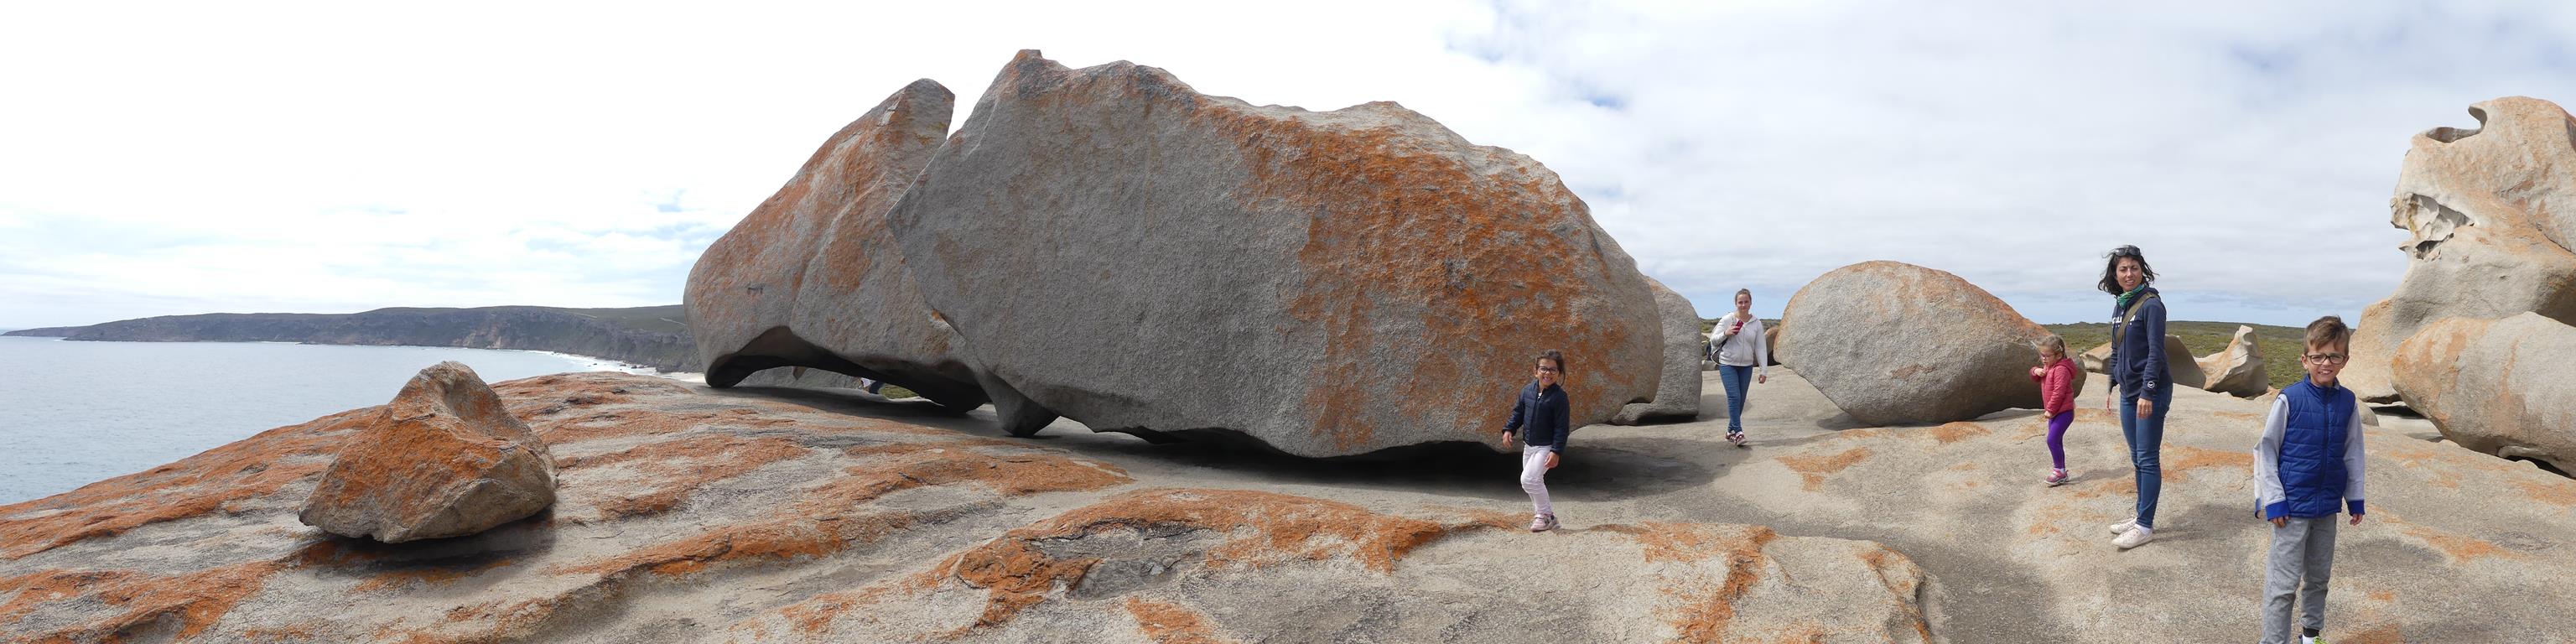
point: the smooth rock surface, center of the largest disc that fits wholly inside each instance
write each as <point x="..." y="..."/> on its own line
<point x="813" y="277"/>
<point x="699" y="515"/>
<point x="2238" y="369"/>
<point x="444" y="459"/>
<point x="1894" y="343"/>
<point x="2374" y="345"/>
<point x="1119" y="249"/>
<point x="696" y="515"/>
<point x="2502" y="387"/>
<point x="1677" y="394"/>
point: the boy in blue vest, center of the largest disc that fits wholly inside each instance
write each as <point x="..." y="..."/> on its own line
<point x="2308" y="468"/>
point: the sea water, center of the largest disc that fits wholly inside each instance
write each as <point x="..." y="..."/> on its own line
<point x="76" y="412"/>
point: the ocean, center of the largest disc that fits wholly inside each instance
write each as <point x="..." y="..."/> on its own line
<point x="76" y="412"/>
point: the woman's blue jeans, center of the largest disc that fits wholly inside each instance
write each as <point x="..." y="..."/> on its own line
<point x="1736" y="378"/>
<point x="2146" y="446"/>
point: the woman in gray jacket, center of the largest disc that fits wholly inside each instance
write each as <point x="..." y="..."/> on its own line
<point x="1740" y="352"/>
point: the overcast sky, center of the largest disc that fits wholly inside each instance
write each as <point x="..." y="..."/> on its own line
<point x="337" y="157"/>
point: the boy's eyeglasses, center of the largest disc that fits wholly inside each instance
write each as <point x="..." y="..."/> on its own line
<point x="2327" y="358"/>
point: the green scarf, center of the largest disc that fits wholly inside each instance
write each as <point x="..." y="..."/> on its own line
<point x="2132" y="295"/>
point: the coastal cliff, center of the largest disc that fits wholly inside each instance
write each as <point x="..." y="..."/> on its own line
<point x="652" y="336"/>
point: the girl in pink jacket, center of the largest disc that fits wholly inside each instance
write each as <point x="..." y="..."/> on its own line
<point x="2056" y="378"/>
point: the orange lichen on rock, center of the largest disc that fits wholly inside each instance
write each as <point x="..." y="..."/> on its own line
<point x="2461" y="549"/>
<point x="778" y="538"/>
<point x="1705" y="613"/>
<point x="1687" y="542"/>
<point x="1258" y="529"/>
<point x="1949" y="433"/>
<point x="1904" y="583"/>
<point x="2245" y="417"/>
<point x="43" y="586"/>
<point x="1265" y="528"/>
<point x="186" y="604"/>
<point x="1394" y="235"/>
<point x="832" y="516"/>
<point x="638" y="421"/>
<point x="2378" y="634"/>
<point x="2554" y="491"/>
<point x="547" y="395"/>
<point x="240" y="471"/>
<point x="675" y="468"/>
<point x="295" y="633"/>
<point x="909" y="465"/>
<point x="1169" y="623"/>
<point x="1814" y="468"/>
<point x="2183" y="459"/>
<point x="1014" y="576"/>
<point x="815" y="614"/>
<point x="487" y="623"/>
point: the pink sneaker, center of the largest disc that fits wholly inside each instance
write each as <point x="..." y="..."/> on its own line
<point x="1543" y="523"/>
<point x="2056" y="477"/>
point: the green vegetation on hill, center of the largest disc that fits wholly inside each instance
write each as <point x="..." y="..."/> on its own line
<point x="2281" y="345"/>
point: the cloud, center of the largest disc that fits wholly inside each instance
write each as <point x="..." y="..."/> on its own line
<point x="327" y="157"/>
<point x="2249" y="150"/>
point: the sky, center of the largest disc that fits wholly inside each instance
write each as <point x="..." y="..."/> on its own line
<point x="160" y="159"/>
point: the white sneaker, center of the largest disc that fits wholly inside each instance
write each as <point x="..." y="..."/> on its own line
<point x="2124" y="525"/>
<point x="2136" y="536"/>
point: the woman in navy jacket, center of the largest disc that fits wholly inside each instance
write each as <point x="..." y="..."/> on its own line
<point x="2140" y="380"/>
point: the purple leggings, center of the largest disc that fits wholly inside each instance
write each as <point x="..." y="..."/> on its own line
<point x="2057" y="437"/>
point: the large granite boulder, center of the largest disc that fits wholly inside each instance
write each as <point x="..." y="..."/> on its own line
<point x="2489" y="214"/>
<point x="1677" y="396"/>
<point x="444" y="459"/>
<point x="1124" y="251"/>
<point x="2237" y="370"/>
<point x="2178" y="361"/>
<point x="2502" y="387"/>
<point x="813" y="277"/>
<point x="1894" y="343"/>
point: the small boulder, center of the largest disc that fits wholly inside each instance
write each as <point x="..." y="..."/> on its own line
<point x="1677" y="395"/>
<point x="1771" y="338"/>
<point x="1893" y="343"/>
<point x="2238" y="369"/>
<point x="444" y="459"/>
<point x="2500" y="387"/>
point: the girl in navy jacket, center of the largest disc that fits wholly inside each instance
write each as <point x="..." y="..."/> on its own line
<point x="1542" y="418"/>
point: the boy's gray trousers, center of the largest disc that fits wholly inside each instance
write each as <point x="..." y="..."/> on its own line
<point x="2301" y="563"/>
